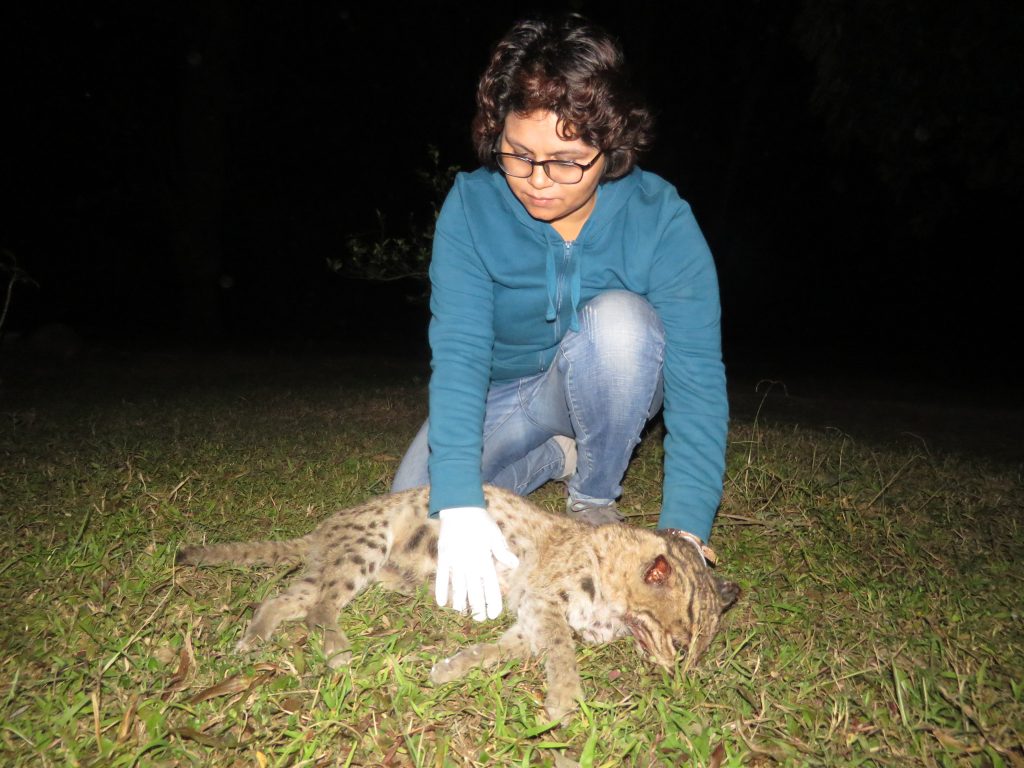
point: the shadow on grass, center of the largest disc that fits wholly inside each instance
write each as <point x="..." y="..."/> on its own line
<point x="982" y="421"/>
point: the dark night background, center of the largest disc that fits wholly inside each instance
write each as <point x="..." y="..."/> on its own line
<point x="180" y="172"/>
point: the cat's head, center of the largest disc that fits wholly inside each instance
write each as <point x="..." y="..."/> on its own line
<point x="677" y="603"/>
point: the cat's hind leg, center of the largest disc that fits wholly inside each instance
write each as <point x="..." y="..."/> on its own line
<point x="324" y="616"/>
<point x="510" y="645"/>
<point x="293" y="603"/>
<point x="336" y="594"/>
<point x="338" y="586"/>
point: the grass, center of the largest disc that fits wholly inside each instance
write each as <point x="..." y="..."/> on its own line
<point x="880" y="623"/>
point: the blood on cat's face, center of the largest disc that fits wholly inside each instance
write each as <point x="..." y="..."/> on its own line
<point x="680" y="614"/>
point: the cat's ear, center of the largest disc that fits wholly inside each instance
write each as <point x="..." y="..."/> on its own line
<point x="728" y="593"/>
<point x="658" y="571"/>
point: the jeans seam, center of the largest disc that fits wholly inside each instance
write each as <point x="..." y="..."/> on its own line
<point x="526" y="482"/>
<point x="525" y="406"/>
<point x="495" y="426"/>
<point x="582" y="457"/>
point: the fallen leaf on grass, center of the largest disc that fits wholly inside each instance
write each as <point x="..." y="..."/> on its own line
<point x="125" y="729"/>
<point x="291" y="704"/>
<point x="717" y="757"/>
<point x="201" y="738"/>
<point x="186" y="663"/>
<point x="236" y="684"/>
<point x="226" y="687"/>
<point x="949" y="741"/>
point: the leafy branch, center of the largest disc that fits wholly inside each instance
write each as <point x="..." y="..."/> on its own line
<point x="14" y="274"/>
<point x="386" y="255"/>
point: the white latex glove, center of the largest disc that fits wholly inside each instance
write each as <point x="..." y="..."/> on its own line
<point x="469" y="543"/>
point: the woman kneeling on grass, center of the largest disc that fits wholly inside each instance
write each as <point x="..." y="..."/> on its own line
<point x="573" y="296"/>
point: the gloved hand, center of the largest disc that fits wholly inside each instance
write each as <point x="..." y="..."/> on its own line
<point x="469" y="543"/>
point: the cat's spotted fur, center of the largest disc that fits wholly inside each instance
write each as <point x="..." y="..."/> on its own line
<point x="597" y="583"/>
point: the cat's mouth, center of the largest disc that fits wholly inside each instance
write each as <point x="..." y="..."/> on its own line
<point x="659" y="646"/>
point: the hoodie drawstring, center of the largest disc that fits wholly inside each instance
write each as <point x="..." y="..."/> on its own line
<point x="574" y="294"/>
<point x="552" y="286"/>
<point x="575" y="285"/>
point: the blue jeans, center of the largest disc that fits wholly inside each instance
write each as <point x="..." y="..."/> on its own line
<point x="602" y="387"/>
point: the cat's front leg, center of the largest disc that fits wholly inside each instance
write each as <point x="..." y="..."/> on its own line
<point x="483" y="655"/>
<point x="554" y="639"/>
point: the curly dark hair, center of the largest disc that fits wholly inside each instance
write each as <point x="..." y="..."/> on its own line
<point x="571" y="67"/>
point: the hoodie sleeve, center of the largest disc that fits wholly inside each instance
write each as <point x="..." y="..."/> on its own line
<point x="461" y="341"/>
<point x="685" y="294"/>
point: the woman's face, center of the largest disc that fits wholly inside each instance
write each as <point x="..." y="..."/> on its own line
<point x="565" y="206"/>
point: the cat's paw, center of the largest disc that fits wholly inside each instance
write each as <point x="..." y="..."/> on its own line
<point x="447" y="670"/>
<point x="482" y="655"/>
<point x="251" y="639"/>
<point x="259" y="630"/>
<point x="336" y="649"/>
<point x="339" y="659"/>
<point x="561" y="700"/>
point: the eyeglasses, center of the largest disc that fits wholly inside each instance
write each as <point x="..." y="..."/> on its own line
<point x="559" y="171"/>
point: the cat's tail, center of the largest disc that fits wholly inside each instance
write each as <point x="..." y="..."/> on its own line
<point x="246" y="553"/>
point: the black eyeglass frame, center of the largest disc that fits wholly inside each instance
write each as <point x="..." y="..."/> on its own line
<point x="545" y="164"/>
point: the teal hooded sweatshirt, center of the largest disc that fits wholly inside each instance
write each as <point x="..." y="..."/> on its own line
<point x="505" y="288"/>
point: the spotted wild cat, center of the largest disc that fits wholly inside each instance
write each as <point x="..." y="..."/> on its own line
<point x="599" y="583"/>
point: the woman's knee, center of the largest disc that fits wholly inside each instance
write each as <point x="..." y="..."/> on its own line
<point x="622" y="324"/>
<point x="412" y="471"/>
